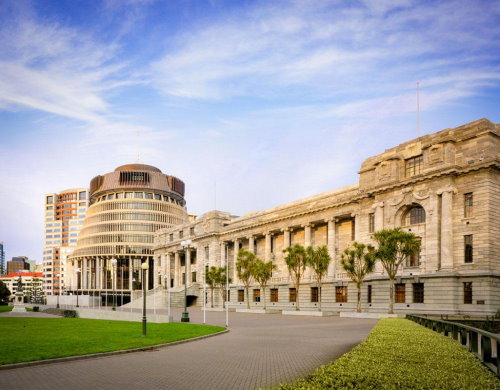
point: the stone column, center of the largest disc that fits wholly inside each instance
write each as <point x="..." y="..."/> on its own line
<point x="74" y="286"/>
<point x="222" y="254"/>
<point x="235" y="259"/>
<point x="447" y="227"/>
<point x="267" y="247"/>
<point x="98" y="273"/>
<point x="177" y="269"/>
<point x="286" y="238"/>
<point x="130" y="273"/>
<point x="85" y="273"/>
<point x="307" y="235"/>
<point x="251" y="247"/>
<point x="187" y="268"/>
<point x="379" y="215"/>
<point x="169" y="271"/>
<point x="331" y="246"/>
<point x="357" y="221"/>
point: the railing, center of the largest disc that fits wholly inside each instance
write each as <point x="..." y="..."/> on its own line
<point x="483" y="344"/>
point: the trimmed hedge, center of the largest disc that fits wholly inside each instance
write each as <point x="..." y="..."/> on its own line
<point x="400" y="354"/>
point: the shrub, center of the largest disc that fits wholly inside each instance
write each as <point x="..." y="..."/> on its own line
<point x="70" y="314"/>
<point x="399" y="354"/>
<point x="36" y="308"/>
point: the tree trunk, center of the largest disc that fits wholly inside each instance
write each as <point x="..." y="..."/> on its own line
<point x="264" y="296"/>
<point x="297" y="307"/>
<point x="391" y="296"/>
<point x="319" y="295"/>
<point x="212" y="297"/>
<point x="248" y="297"/>
<point x="358" y="306"/>
<point x="223" y="296"/>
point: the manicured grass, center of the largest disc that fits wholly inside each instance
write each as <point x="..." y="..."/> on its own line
<point x="4" y="309"/>
<point x="26" y="339"/>
<point x="400" y="354"/>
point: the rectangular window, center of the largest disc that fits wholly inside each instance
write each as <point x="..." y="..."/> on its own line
<point x="191" y="231"/>
<point x="292" y="295"/>
<point x="468" y="249"/>
<point x="314" y="294"/>
<point x="149" y="195"/>
<point x="119" y="195"/>
<point x="50" y="199"/>
<point x="341" y="294"/>
<point x="207" y="252"/>
<point x="82" y="195"/>
<point x="274" y="295"/>
<point x="418" y="293"/>
<point x="468" y="292"/>
<point x="241" y="295"/>
<point x="413" y="166"/>
<point x="181" y="234"/>
<point x="371" y="222"/>
<point x="129" y="195"/>
<point x="171" y="237"/>
<point x="183" y="278"/>
<point x="468" y="205"/>
<point x="138" y="195"/>
<point x="193" y="277"/>
<point x="369" y="300"/>
<point x="256" y="295"/>
<point x="400" y="293"/>
<point x="157" y="197"/>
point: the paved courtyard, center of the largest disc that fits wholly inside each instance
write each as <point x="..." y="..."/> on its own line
<point x="259" y="351"/>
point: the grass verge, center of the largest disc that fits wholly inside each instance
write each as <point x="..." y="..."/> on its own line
<point x="5" y="309"/>
<point x="399" y="354"/>
<point x="28" y="339"/>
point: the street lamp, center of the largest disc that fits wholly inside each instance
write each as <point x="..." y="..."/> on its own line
<point x="144" y="267"/>
<point x="113" y="280"/>
<point x="78" y="270"/>
<point x="185" y="315"/>
<point x="58" y="291"/>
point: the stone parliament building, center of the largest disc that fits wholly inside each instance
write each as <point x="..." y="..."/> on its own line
<point x="443" y="187"/>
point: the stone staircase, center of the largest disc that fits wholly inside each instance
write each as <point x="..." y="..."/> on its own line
<point x="158" y="297"/>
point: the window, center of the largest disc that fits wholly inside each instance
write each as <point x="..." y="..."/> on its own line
<point x="468" y="205"/>
<point x="207" y="252"/>
<point x="468" y="249"/>
<point x="292" y="294"/>
<point x="369" y="300"/>
<point x="171" y="237"/>
<point x="314" y="294"/>
<point x="418" y="293"/>
<point x="256" y="295"/>
<point x="128" y="195"/>
<point x="119" y="195"/>
<point x="148" y="195"/>
<point x="138" y="195"/>
<point x="414" y="260"/>
<point x="468" y="292"/>
<point x="371" y="222"/>
<point x="183" y="278"/>
<point x="413" y="166"/>
<point x="241" y="296"/>
<point x="50" y="199"/>
<point x="111" y="196"/>
<point x="400" y="292"/>
<point x="414" y="216"/>
<point x="191" y="231"/>
<point x="157" y="197"/>
<point x="193" y="277"/>
<point x="274" y="295"/>
<point x="181" y="234"/>
<point x="341" y="294"/>
<point x="82" y="195"/>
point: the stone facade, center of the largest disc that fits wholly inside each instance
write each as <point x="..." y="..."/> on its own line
<point x="444" y="187"/>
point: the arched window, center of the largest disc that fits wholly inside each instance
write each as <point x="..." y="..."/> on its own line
<point x="414" y="215"/>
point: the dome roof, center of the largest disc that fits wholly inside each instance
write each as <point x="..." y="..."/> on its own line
<point x="137" y="167"/>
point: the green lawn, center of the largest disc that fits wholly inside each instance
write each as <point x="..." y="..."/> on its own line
<point x="399" y="354"/>
<point x="4" y="309"/>
<point x="28" y="339"/>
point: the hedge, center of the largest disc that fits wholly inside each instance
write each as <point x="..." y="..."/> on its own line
<point x="400" y="354"/>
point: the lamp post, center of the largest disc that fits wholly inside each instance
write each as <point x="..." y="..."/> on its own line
<point x="58" y="291"/>
<point x="113" y="280"/>
<point x="144" y="267"/>
<point x="185" y="315"/>
<point x="78" y="270"/>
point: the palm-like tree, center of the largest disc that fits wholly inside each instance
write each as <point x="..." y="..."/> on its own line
<point x="295" y="260"/>
<point x="358" y="262"/>
<point x="211" y="278"/>
<point x="394" y="247"/>
<point x="262" y="272"/>
<point x="244" y="267"/>
<point x="319" y="260"/>
<point x="220" y="282"/>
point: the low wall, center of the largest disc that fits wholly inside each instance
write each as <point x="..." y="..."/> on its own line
<point x="97" y="314"/>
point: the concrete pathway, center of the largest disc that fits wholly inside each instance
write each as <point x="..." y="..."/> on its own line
<point x="28" y="314"/>
<point x="259" y="351"/>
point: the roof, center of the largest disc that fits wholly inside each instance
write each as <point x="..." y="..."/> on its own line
<point x="22" y="274"/>
<point x="137" y="167"/>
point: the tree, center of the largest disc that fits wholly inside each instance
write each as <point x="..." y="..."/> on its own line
<point x="262" y="272"/>
<point x="319" y="260"/>
<point x="4" y="293"/>
<point x="394" y="247"/>
<point x="244" y="268"/>
<point x="220" y="282"/>
<point x="211" y="278"/>
<point x="295" y="260"/>
<point x="358" y="262"/>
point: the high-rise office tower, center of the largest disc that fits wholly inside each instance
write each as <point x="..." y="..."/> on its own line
<point x="2" y="259"/>
<point x="64" y="215"/>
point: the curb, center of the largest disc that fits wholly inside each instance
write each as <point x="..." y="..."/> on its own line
<point x="104" y="354"/>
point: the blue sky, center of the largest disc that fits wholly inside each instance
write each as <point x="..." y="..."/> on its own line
<point x="272" y="100"/>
